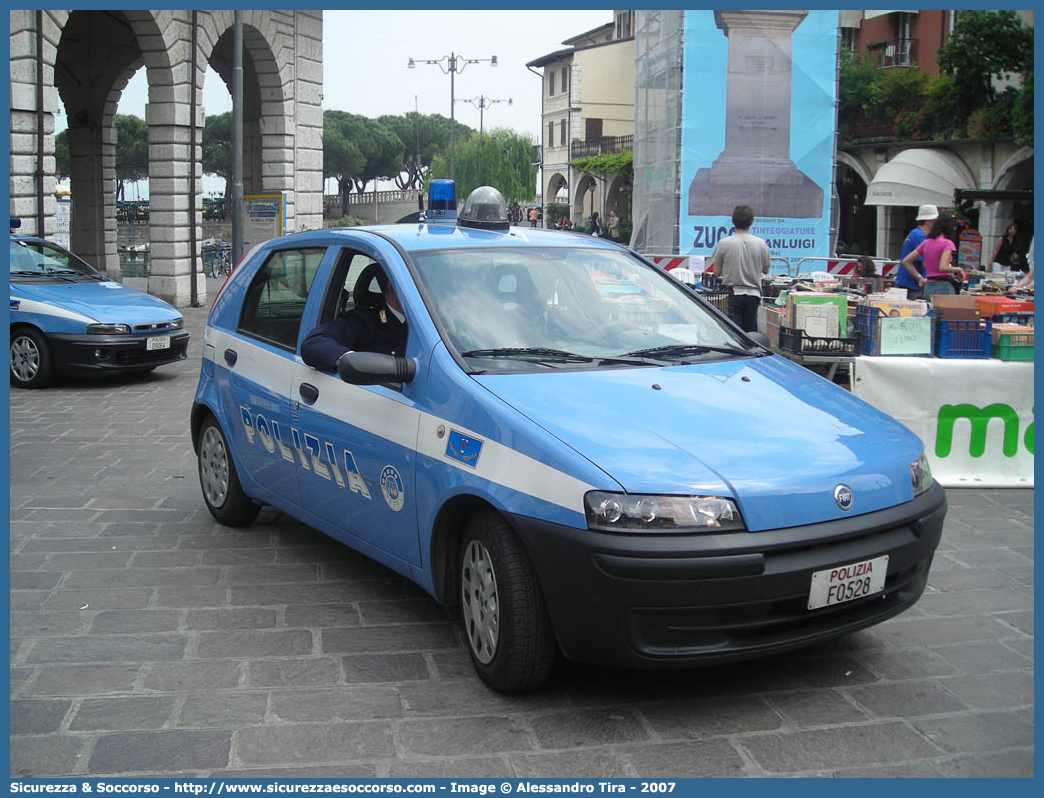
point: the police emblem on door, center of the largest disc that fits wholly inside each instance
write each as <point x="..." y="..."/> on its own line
<point x="391" y="488"/>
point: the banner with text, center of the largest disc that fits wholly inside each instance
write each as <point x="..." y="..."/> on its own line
<point x="758" y="128"/>
<point x="975" y="417"/>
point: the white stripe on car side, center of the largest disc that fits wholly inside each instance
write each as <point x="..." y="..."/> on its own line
<point x="401" y="423"/>
<point x="47" y="309"/>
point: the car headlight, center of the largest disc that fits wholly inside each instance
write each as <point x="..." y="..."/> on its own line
<point x="921" y="474"/>
<point x="108" y="329"/>
<point x="177" y="323"/>
<point x="625" y="512"/>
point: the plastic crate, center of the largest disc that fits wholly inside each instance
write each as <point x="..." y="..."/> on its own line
<point x="793" y="339"/>
<point x="1013" y="347"/>
<point x="1025" y="319"/>
<point x="868" y="326"/>
<point x="963" y="338"/>
<point x="719" y="297"/>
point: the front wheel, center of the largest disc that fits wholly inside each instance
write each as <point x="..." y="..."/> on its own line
<point x="505" y="621"/>
<point x="31" y="363"/>
<point x="217" y="477"/>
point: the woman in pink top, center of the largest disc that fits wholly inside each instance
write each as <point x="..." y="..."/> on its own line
<point x="937" y="250"/>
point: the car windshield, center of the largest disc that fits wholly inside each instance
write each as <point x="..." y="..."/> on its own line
<point x="35" y="261"/>
<point x="534" y="308"/>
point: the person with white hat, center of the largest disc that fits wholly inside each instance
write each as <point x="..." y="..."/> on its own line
<point x="926" y="214"/>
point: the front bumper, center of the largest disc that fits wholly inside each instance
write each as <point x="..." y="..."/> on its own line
<point x="682" y="600"/>
<point x="111" y="353"/>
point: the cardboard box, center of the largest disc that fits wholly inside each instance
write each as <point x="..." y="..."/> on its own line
<point x="905" y="307"/>
<point x="773" y="321"/>
<point x="820" y="314"/>
<point x="960" y="307"/>
<point x="1000" y="330"/>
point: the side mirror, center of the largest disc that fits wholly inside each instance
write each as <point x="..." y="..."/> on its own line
<point x="374" y="368"/>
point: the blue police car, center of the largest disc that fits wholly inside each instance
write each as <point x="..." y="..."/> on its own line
<point x="69" y="318"/>
<point x="577" y="451"/>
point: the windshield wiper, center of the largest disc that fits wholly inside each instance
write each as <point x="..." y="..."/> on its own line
<point x="686" y="350"/>
<point x="49" y="275"/>
<point x="529" y="352"/>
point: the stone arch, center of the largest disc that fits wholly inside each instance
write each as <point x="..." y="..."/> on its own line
<point x="89" y="68"/>
<point x="618" y="196"/>
<point x="586" y="198"/>
<point x="1016" y="174"/>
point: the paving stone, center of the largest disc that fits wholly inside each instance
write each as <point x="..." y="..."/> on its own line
<point x="109" y="599"/>
<point x="362" y="668"/>
<point x="35" y="580"/>
<point x="993" y="690"/>
<point x="710" y="716"/>
<point x="908" y="663"/>
<point x="916" y="770"/>
<point x="237" y="556"/>
<point x="999" y="765"/>
<point x="81" y="680"/>
<point x="125" y="621"/>
<point x="235" y="618"/>
<point x="970" y="733"/>
<point x="342" y="703"/>
<point x="45" y="624"/>
<point x="142" y="577"/>
<point x="469" y="696"/>
<point x="313" y="743"/>
<point x="261" y="595"/>
<point x="29" y="599"/>
<point x="223" y="710"/>
<point x="385" y="612"/>
<point x="450" y="768"/>
<point x="270" y="574"/>
<point x="1023" y="621"/>
<point x="37" y="716"/>
<point x="264" y="643"/>
<point x="295" y="672"/>
<point x="938" y="631"/>
<point x="815" y="708"/>
<point x="975" y="602"/>
<point x="339" y="772"/>
<point x="192" y="675"/>
<point x="405" y="637"/>
<point x="905" y="699"/>
<point x="83" y="560"/>
<point x="45" y="755"/>
<point x="821" y="749"/>
<point x="480" y="735"/>
<point x="594" y="763"/>
<point x="192" y="597"/>
<point x="165" y="559"/>
<point x="109" y="648"/>
<point x="122" y="714"/>
<point x="322" y="615"/>
<point x="696" y="759"/>
<point x="587" y="727"/>
<point x="160" y="751"/>
<point x="983" y="657"/>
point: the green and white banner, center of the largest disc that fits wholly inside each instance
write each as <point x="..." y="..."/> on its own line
<point x="974" y="416"/>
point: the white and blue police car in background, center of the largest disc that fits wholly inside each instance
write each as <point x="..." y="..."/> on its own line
<point x="69" y="318"/>
<point x="574" y="449"/>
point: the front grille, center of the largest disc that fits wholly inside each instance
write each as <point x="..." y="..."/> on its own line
<point x="157" y="357"/>
<point x="156" y="327"/>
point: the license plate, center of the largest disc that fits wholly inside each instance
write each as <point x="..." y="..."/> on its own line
<point x="847" y="582"/>
<point x="157" y="342"/>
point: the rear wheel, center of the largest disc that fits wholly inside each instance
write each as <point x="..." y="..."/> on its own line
<point x="509" y="633"/>
<point x="217" y="477"/>
<point x="31" y="363"/>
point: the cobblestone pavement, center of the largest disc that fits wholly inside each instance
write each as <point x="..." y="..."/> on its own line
<point x="148" y="640"/>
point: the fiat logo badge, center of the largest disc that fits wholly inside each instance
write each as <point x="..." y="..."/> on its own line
<point x="843" y="497"/>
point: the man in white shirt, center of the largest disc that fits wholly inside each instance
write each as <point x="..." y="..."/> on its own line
<point x="740" y="260"/>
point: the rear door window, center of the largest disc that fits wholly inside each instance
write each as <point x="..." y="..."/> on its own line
<point x="275" y="300"/>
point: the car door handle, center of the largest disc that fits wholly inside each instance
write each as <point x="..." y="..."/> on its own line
<point x="231" y="357"/>
<point x="308" y="392"/>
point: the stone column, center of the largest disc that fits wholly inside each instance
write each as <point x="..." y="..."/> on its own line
<point x="173" y="157"/>
<point x="92" y="152"/>
<point x="755" y="167"/>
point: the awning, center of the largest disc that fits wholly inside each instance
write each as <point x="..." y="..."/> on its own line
<point x="919" y="177"/>
<point x="872" y="14"/>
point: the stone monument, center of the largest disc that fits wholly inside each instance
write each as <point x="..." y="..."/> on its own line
<point x="755" y="168"/>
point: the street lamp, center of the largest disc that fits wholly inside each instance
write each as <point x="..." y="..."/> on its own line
<point x="451" y="64"/>
<point x="481" y="102"/>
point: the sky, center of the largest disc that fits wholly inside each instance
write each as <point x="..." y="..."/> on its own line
<point x="365" y="54"/>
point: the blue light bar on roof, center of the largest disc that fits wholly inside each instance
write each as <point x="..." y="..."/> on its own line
<point x="442" y="202"/>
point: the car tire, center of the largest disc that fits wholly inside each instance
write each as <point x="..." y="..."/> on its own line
<point x="31" y="362"/>
<point x="504" y="618"/>
<point x="219" y="481"/>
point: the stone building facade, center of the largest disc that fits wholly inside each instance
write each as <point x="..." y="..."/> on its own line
<point x="81" y="61"/>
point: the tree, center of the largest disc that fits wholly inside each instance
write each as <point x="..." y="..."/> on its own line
<point x="501" y="158"/>
<point x="428" y="133"/>
<point x="985" y="45"/>
<point x="132" y="151"/>
<point x="217" y="150"/>
<point x="357" y="150"/>
<point x="62" y="162"/>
